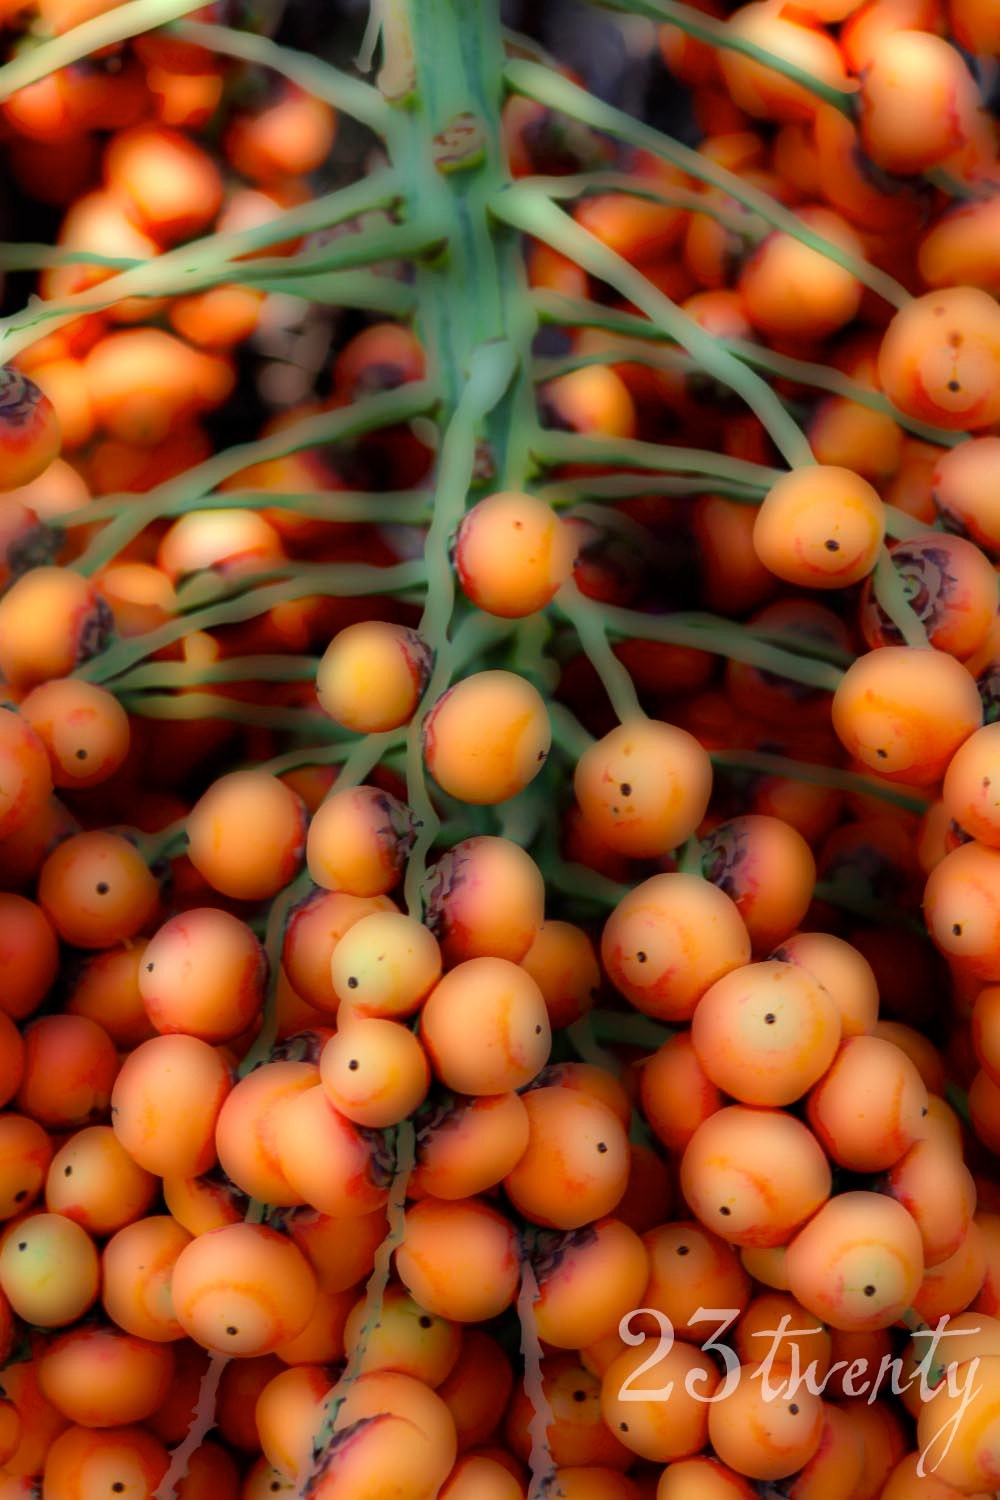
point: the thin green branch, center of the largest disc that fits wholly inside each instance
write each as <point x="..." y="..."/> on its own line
<point x="587" y="619"/>
<point x="117" y="25"/>
<point x="890" y="595"/>
<point x="585" y="184"/>
<point x="313" y="74"/>
<point x="720" y="34"/>
<point x="560" y="93"/>
<point x="550" y="447"/>
<point x="534" y="214"/>
<point x="405" y="1158"/>
<point x="491" y="370"/>
<point x="406" y="507"/>
<point x="198" y="706"/>
<point x="177" y="674"/>
<point x="346" y="580"/>
<point x="759" y="762"/>
<point x="383" y="410"/>
<point x="217" y="257"/>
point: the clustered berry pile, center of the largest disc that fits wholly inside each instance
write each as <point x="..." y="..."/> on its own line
<point x="508" y="1009"/>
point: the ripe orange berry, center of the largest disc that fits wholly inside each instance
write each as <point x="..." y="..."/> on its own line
<point x="765" y="1033"/>
<point x="794" y="293"/>
<point x="137" y="1265"/>
<point x="386" y="964"/>
<point x="29" y="429"/>
<point x="327" y="1160"/>
<point x="246" y="835"/>
<point x="962" y="909"/>
<point x="904" y="712"/>
<point x="940" y="358"/>
<point x="858" y="1263"/>
<point x="971" y="785"/>
<point x="918" y="101"/>
<point x="97" y="890"/>
<point x="485" y="898"/>
<point x="25" y="773"/>
<point x="753" y="1176"/>
<point x="374" y="1071"/>
<point x="668" y="940"/>
<point x="766" y="867"/>
<point x="950" y="585"/>
<point x="242" y="1289"/>
<point x="93" y="1180"/>
<point x="82" y="726"/>
<point x="51" y="620"/>
<point x="963" y="493"/>
<point x="102" y="1377"/>
<point x="358" y="841"/>
<point x="575" y="1166"/>
<point x="845" y="973"/>
<point x="372" y="675"/>
<point x="563" y="963"/>
<point x="203" y="973"/>
<point x="246" y="1129"/>
<point x="70" y="1064"/>
<point x="644" y="787"/>
<point x="820" y="526"/>
<point x="485" y="1027"/>
<point x="485" y="738"/>
<point x="442" y="1242"/>
<point x="868" y="1109"/>
<point x="49" y="1269"/>
<point x="759" y="90"/>
<point x="766" y="1429"/>
<point x="512" y="554"/>
<point x="470" y="1145"/>
<point x="166" y="1101"/>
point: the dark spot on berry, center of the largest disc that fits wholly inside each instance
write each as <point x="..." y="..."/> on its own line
<point x="118" y="1486"/>
<point x="954" y="385"/>
<point x="425" y="1320"/>
<point x="102" y="888"/>
<point x="81" y="755"/>
<point x="794" y="1408"/>
<point x="353" y="1065"/>
<point x="626" y="788"/>
<point x="683" y="1250"/>
<point x="579" y="1395"/>
<point x="67" y="1171"/>
<point x="725" y="1212"/>
<point x="956" y="929"/>
<point x="641" y="958"/>
<point x="869" y="1290"/>
<point x="149" y="968"/>
<point x="232" y="1331"/>
<point x="20" y="1196"/>
<point x="623" y="1427"/>
<point x="882" y="754"/>
<point x="831" y="545"/>
<point x="538" y="1031"/>
<point x="22" y="1244"/>
<point x="770" y="1018"/>
<point x="352" y="983"/>
<point x="602" y="1147"/>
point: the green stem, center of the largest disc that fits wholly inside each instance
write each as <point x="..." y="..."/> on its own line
<point x="217" y="257"/>
<point x="313" y="74"/>
<point x="558" y="92"/>
<point x="587" y="619"/>
<point x="761" y="763"/>
<point x="535" y="214"/>
<point x="568" y="733"/>
<point x="403" y="507"/>
<point x="720" y="34"/>
<point x="585" y="184"/>
<point x="176" y="674"/>
<point x="348" y="580"/>
<point x="724" y="638"/>
<point x="189" y="707"/>
<point x="891" y="598"/>
<point x="383" y="410"/>
<point x="117" y="25"/>
<point x="490" y="373"/>
<point x="374" y="1296"/>
<point x="577" y="312"/>
<point x="540" y="1461"/>
<point x="551" y="447"/>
